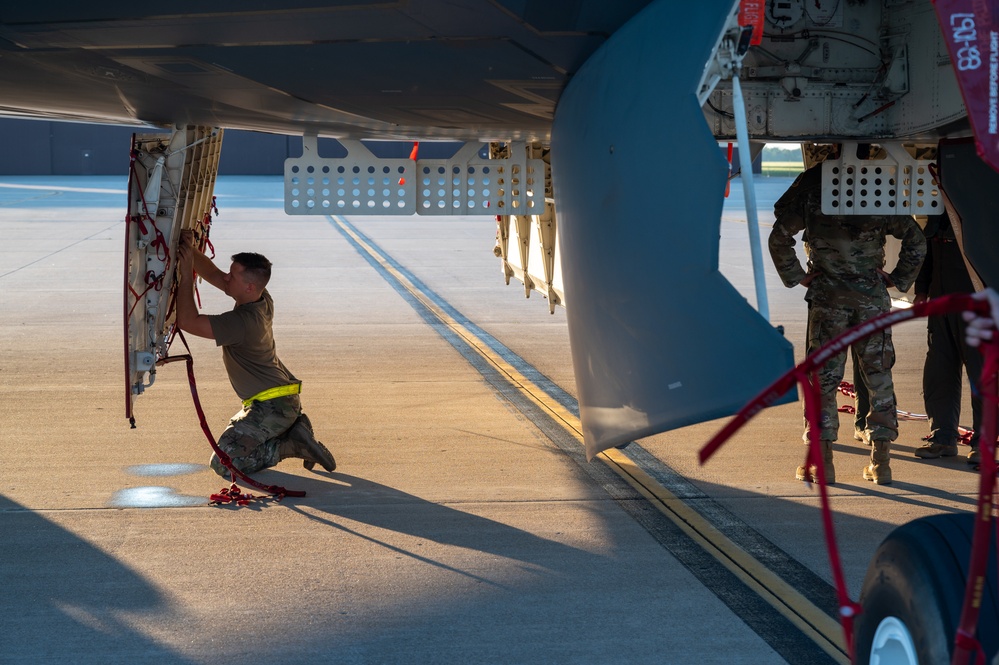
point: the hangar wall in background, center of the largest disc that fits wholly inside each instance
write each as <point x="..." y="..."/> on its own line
<point x="44" y="147"/>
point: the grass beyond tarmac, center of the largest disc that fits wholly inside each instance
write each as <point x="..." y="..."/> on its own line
<point x="782" y="168"/>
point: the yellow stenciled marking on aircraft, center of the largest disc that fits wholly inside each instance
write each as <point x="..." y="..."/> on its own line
<point x="813" y="622"/>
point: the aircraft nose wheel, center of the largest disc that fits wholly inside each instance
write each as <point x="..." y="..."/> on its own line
<point x="913" y="592"/>
<point x="892" y="644"/>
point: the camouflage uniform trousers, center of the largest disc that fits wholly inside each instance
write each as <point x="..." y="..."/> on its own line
<point x="875" y="356"/>
<point x="254" y="434"/>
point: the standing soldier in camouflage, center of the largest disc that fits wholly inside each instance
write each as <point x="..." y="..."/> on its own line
<point x="846" y="285"/>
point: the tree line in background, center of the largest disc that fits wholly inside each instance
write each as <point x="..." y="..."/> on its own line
<point x="791" y="153"/>
<point x="781" y="161"/>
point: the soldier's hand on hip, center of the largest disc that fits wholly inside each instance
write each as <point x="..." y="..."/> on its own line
<point x="886" y="277"/>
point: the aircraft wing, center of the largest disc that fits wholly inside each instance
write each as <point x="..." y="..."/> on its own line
<point x="469" y="69"/>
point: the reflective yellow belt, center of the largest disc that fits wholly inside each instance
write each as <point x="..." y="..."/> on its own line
<point x="273" y="393"/>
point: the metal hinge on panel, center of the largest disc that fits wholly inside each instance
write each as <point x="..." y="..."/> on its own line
<point x="527" y="243"/>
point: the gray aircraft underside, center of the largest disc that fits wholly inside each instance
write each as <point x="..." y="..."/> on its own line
<point x="631" y="96"/>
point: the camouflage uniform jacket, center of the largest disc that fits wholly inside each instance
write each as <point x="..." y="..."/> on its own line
<point x="846" y="250"/>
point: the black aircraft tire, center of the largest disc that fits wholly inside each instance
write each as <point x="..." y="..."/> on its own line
<point x="914" y="589"/>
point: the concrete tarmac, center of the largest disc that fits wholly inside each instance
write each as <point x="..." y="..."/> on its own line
<point x="457" y="527"/>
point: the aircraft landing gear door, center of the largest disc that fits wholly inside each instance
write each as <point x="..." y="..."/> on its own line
<point x="527" y="243"/>
<point x="171" y="183"/>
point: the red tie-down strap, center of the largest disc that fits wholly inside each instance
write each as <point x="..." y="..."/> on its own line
<point x="965" y="643"/>
<point x="202" y="242"/>
<point x="232" y="493"/>
<point x="964" y="434"/>
<point x="159" y="242"/>
<point x="850" y="390"/>
<point x="848" y="609"/>
<point x="204" y="229"/>
<point x="805" y="375"/>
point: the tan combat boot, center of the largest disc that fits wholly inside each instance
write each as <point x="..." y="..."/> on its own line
<point x="878" y="470"/>
<point x="300" y="442"/>
<point x="811" y="474"/>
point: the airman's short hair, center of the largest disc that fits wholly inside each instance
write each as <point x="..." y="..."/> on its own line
<point x="258" y="268"/>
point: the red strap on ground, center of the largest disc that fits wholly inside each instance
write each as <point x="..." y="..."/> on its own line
<point x="965" y="434"/>
<point x="804" y="374"/>
<point x="278" y="491"/>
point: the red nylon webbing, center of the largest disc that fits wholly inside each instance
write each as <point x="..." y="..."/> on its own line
<point x="126" y="311"/>
<point x="276" y="490"/>
<point x="847" y="608"/>
<point x="964" y="642"/>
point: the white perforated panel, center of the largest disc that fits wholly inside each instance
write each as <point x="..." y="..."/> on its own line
<point x="362" y="184"/>
<point x="880" y="187"/>
<point x="487" y="187"/>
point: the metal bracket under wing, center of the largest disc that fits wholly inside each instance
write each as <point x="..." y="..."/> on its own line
<point x="363" y="184"/>
<point x="897" y="184"/>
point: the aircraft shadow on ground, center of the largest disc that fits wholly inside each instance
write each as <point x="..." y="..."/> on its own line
<point x="359" y="500"/>
<point x="533" y="599"/>
<point x="554" y="570"/>
<point x="384" y="507"/>
<point x="63" y="599"/>
<point x="899" y="483"/>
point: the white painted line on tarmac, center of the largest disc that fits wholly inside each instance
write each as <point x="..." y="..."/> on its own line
<point x="62" y="188"/>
